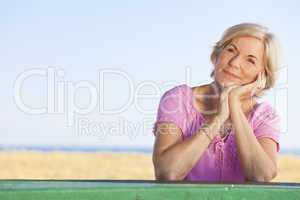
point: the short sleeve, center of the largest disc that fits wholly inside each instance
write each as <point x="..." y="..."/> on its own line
<point x="171" y="108"/>
<point x="268" y="124"/>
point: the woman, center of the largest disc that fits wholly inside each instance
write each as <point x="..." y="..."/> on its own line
<point x="219" y="132"/>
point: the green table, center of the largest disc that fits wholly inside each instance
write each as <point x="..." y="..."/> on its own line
<point x="138" y="190"/>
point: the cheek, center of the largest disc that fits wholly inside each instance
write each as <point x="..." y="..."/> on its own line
<point x="224" y="80"/>
<point x="249" y="76"/>
<point x="222" y="60"/>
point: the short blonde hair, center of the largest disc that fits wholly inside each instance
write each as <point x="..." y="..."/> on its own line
<point x="271" y="50"/>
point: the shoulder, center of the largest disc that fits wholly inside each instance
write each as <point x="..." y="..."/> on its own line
<point x="178" y="93"/>
<point x="177" y="90"/>
<point x="175" y="100"/>
<point x="173" y="107"/>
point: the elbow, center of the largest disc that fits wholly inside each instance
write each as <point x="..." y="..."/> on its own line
<point x="265" y="177"/>
<point x="165" y="172"/>
<point x="167" y="175"/>
<point x="271" y="175"/>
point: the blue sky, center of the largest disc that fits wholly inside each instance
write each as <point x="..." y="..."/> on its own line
<point x="154" y="42"/>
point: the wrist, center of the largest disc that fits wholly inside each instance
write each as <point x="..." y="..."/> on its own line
<point x="206" y="131"/>
<point x="234" y="102"/>
<point x="234" y="97"/>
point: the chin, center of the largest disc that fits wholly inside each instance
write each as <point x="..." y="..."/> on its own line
<point x="225" y="83"/>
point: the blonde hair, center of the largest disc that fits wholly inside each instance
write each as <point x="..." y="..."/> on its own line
<point x="271" y="50"/>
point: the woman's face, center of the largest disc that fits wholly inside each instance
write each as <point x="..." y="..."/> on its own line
<point x="240" y="61"/>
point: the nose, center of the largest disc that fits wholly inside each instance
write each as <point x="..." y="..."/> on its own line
<point x="235" y="61"/>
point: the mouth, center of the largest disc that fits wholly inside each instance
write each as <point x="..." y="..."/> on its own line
<point x="231" y="74"/>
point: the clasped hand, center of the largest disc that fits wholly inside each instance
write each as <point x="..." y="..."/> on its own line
<point x="235" y="94"/>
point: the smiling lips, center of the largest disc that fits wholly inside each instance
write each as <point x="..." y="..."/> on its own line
<point x="231" y="74"/>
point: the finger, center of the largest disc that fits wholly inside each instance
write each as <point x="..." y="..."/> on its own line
<point x="228" y="88"/>
<point x="226" y="91"/>
<point x="260" y="80"/>
<point x="254" y="84"/>
<point x="259" y="84"/>
<point x="232" y="87"/>
<point x="264" y="81"/>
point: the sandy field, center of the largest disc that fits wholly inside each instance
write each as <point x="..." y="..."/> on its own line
<point x="63" y="165"/>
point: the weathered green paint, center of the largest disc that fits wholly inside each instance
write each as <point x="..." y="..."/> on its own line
<point x="152" y="190"/>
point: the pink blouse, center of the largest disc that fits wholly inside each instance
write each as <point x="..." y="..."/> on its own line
<point x="220" y="162"/>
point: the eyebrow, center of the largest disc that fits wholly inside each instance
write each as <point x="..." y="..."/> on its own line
<point x="252" y="56"/>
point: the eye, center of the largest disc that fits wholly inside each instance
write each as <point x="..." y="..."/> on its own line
<point x="230" y="49"/>
<point x="251" y="61"/>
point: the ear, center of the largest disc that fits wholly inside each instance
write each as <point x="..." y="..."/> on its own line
<point x="212" y="74"/>
<point x="216" y="57"/>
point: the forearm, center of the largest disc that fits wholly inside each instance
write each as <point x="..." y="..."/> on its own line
<point x="177" y="161"/>
<point x="255" y="162"/>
